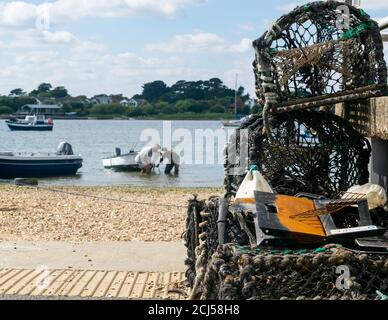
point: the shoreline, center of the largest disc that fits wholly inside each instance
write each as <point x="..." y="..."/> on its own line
<point x="118" y="118"/>
<point x="31" y="214"/>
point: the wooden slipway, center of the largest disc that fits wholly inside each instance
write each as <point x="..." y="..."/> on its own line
<point x="67" y="283"/>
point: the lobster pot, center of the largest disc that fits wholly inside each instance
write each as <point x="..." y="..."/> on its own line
<point x="369" y="117"/>
<point x="331" y="272"/>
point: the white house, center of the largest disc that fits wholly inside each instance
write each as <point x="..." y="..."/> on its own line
<point x="129" y="102"/>
<point x="101" y="99"/>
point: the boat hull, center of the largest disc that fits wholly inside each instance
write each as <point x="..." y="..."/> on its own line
<point x="39" y="168"/>
<point x="234" y="124"/>
<point x="14" y="126"/>
<point x="122" y="163"/>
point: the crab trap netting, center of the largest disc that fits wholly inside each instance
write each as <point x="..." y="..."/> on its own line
<point x="312" y="151"/>
<point x="330" y="272"/>
<point x="320" y="53"/>
<point x="305" y="64"/>
<point x="235" y="272"/>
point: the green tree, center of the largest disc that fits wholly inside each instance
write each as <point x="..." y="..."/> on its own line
<point x="152" y="91"/>
<point x="161" y="105"/>
<point x="198" y="107"/>
<point x="136" y="112"/>
<point x="59" y="92"/>
<point x="169" y="109"/>
<point x="44" y="87"/>
<point x="17" y="92"/>
<point x="184" y="105"/>
<point x="217" y="109"/>
<point x="256" y="109"/>
<point x="108" y="109"/>
<point x="149" y="109"/>
<point x="5" y="110"/>
<point x="244" y="110"/>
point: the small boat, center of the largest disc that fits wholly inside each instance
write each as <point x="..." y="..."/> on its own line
<point x="231" y="123"/>
<point x="122" y="162"/>
<point x="30" y="123"/>
<point x="39" y="165"/>
<point x="235" y="123"/>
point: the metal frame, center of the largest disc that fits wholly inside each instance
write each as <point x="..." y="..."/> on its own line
<point x="270" y="232"/>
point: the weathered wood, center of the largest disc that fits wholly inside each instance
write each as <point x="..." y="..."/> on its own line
<point x="379" y="118"/>
<point x="370" y="117"/>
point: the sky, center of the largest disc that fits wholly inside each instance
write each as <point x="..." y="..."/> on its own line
<point x="115" y="46"/>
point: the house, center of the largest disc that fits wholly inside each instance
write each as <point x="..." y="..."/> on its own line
<point x="101" y="99"/>
<point x="46" y="109"/>
<point x="133" y="102"/>
<point x="129" y="103"/>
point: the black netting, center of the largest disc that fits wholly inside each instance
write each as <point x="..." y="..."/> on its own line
<point x="236" y="273"/>
<point x="308" y="54"/>
<point x="313" y="151"/>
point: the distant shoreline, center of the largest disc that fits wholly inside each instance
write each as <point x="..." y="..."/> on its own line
<point x="177" y="117"/>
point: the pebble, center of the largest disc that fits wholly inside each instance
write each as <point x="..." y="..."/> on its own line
<point x="41" y="215"/>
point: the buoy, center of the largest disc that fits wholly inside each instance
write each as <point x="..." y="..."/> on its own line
<point x="254" y="181"/>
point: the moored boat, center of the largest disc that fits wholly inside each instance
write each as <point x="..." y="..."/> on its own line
<point x="235" y="123"/>
<point x="122" y="162"/>
<point x="30" y="123"/>
<point x="39" y="165"/>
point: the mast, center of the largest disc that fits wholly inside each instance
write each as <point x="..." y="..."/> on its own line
<point x="235" y="96"/>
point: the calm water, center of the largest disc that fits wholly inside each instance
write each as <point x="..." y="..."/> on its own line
<point x="97" y="139"/>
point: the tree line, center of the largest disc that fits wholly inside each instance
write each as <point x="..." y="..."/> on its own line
<point x="185" y="98"/>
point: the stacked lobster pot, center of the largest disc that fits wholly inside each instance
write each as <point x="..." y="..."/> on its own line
<point x="298" y="219"/>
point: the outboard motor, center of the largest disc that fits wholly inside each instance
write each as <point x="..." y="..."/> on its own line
<point x="118" y="152"/>
<point x="65" y="149"/>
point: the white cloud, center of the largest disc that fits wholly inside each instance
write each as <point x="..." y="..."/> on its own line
<point x="190" y="43"/>
<point x="34" y="38"/>
<point x="17" y="13"/>
<point x="58" y="37"/>
<point x="199" y="42"/>
<point x="20" y="13"/>
<point x="87" y="68"/>
<point x="245" y="45"/>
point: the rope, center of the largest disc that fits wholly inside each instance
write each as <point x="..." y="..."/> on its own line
<point x="85" y="195"/>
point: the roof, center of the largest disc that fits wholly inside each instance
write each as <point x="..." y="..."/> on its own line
<point x="42" y="106"/>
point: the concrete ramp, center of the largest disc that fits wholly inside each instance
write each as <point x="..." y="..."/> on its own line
<point x="19" y="283"/>
<point x="96" y="270"/>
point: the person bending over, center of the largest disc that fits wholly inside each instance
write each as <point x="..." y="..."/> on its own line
<point x="172" y="160"/>
<point x="148" y="158"/>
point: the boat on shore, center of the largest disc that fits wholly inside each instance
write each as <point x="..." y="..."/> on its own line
<point x="122" y="162"/>
<point x="30" y="123"/>
<point x="39" y="165"/>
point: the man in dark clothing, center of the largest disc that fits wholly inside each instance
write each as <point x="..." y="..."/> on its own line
<point x="172" y="160"/>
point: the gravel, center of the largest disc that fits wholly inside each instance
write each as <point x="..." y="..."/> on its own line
<point x="31" y="214"/>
